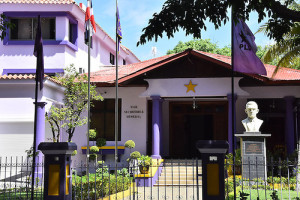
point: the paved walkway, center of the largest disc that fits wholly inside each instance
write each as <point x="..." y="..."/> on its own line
<point x="167" y="193"/>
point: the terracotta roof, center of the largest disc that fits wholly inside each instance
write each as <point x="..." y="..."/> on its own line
<point x="108" y="74"/>
<point x="39" y="1"/>
<point x="129" y="71"/>
<point x="25" y="77"/>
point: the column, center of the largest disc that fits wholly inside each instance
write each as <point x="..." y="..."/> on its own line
<point x="156" y="126"/>
<point x="230" y="139"/>
<point x="40" y="127"/>
<point x="289" y="124"/>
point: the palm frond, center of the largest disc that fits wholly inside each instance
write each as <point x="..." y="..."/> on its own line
<point x="288" y="59"/>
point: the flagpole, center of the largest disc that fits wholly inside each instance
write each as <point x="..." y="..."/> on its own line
<point x="38" y="75"/>
<point x="88" y="103"/>
<point x="232" y="100"/>
<point x="34" y="137"/>
<point x="116" y="101"/>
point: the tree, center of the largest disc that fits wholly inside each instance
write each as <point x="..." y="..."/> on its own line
<point x="4" y="24"/>
<point x="287" y="51"/>
<point x="201" y="45"/>
<point x="69" y="116"/>
<point x="190" y="15"/>
<point x="207" y="46"/>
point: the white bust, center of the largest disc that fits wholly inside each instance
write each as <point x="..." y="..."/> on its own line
<point x="252" y="123"/>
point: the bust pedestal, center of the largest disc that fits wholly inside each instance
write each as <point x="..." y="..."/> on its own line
<point x="253" y="151"/>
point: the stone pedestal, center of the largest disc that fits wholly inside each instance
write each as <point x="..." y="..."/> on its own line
<point x="253" y="151"/>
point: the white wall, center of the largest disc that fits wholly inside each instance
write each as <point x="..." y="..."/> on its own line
<point x="131" y="128"/>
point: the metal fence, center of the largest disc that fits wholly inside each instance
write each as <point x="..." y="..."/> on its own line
<point x="170" y="179"/>
<point x="15" y="178"/>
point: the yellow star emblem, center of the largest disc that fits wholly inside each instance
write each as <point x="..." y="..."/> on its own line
<point x="190" y="87"/>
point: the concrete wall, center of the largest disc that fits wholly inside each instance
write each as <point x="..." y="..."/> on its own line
<point x="131" y="128"/>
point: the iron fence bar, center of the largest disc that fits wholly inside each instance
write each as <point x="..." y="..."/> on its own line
<point x="164" y="167"/>
<point x="102" y="180"/>
<point x="193" y="179"/>
<point x="95" y="167"/>
<point x="178" y="163"/>
<point x="197" y="178"/>
<point x="256" y="177"/>
<point x="272" y="173"/>
<point x="172" y="177"/>
<point x="28" y="177"/>
<point x="280" y="166"/>
<point x="9" y="191"/>
<point x="249" y="165"/>
<point x="16" y="174"/>
<point x="265" y="181"/>
<point x="158" y="175"/>
<point x="81" y="188"/>
<point x="288" y="173"/>
<point x="297" y="174"/>
<point x="185" y="178"/>
<point x="151" y="192"/>
<point x="21" y="173"/>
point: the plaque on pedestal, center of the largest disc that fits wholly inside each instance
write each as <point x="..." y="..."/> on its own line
<point x="253" y="150"/>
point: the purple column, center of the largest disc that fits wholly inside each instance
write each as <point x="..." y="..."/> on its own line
<point x="289" y="124"/>
<point x="40" y="126"/>
<point x="230" y="139"/>
<point x="156" y="126"/>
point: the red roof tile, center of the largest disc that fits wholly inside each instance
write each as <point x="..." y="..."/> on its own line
<point x="25" y="77"/>
<point x="39" y="1"/>
<point x="107" y="75"/>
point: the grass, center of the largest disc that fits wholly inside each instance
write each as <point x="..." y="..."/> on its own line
<point x="285" y="194"/>
<point x="20" y="196"/>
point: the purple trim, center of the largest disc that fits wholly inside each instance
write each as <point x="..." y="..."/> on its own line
<point x="30" y="71"/>
<point x="149" y="181"/>
<point x="72" y="45"/>
<point x="156" y="126"/>
<point x="230" y="139"/>
<point x="106" y="151"/>
<point x="289" y="124"/>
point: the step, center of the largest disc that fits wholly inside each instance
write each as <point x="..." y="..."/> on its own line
<point x="178" y="182"/>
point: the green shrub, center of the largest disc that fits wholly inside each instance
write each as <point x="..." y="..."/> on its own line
<point x="101" y="142"/>
<point x="101" y="184"/>
<point x="130" y="144"/>
<point x="135" y="155"/>
<point x="101" y="162"/>
<point x="74" y="153"/>
<point x="92" y="134"/>
<point x="94" y="149"/>
<point x="92" y="157"/>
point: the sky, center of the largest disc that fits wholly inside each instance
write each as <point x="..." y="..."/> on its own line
<point x="134" y="16"/>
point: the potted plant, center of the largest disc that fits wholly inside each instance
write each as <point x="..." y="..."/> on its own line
<point x="144" y="163"/>
<point x="133" y="161"/>
<point x="100" y="143"/>
<point x="130" y="144"/>
<point x="93" y="153"/>
<point x="92" y="136"/>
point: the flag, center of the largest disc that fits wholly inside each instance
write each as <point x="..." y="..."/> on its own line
<point x="119" y="31"/>
<point x="38" y="53"/>
<point x="89" y="21"/>
<point x="244" y="49"/>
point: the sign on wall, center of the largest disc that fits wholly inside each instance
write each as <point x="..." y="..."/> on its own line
<point x="134" y="112"/>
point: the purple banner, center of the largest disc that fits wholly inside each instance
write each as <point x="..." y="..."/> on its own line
<point x="245" y="59"/>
